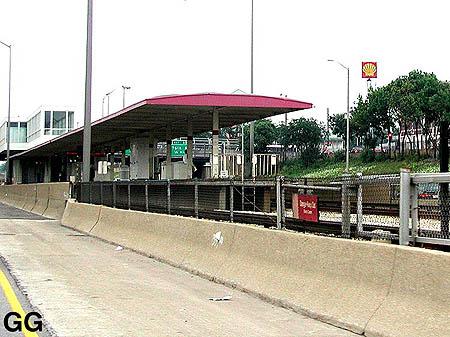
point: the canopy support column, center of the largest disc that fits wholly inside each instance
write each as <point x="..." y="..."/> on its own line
<point x="190" y="150"/>
<point x="169" y="153"/>
<point x="215" y="145"/>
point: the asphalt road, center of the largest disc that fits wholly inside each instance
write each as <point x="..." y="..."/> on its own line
<point x="7" y="282"/>
<point x="84" y="287"/>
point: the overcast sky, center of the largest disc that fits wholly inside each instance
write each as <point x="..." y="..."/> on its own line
<point x="186" y="46"/>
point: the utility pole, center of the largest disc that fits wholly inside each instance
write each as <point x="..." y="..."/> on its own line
<point x="8" y="122"/>
<point x="123" y="94"/>
<point x="87" y="99"/>
<point x="252" y="123"/>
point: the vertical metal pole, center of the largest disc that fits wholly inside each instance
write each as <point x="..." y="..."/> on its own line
<point x="87" y="103"/>
<point x="414" y="213"/>
<point x="243" y="197"/>
<point x="8" y="126"/>
<point x="114" y="194"/>
<point x="146" y="197"/>
<point x="129" y="195"/>
<point x="242" y="154"/>
<point x="252" y="123"/>
<point x="405" y="194"/>
<point x="359" y="216"/>
<point x="168" y="196"/>
<point x="279" y="201"/>
<point x="346" y="212"/>
<point x="347" y="153"/>
<point x="196" y="200"/>
<point x="231" y="202"/>
<point x="283" y="204"/>
<point x="254" y="198"/>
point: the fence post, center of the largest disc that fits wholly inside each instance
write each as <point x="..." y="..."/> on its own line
<point x="114" y="194"/>
<point x="196" y="199"/>
<point x="278" y="188"/>
<point x="146" y="197"/>
<point x="283" y="204"/>
<point x="243" y="196"/>
<point x="231" y="201"/>
<point x="414" y="213"/>
<point x="346" y="211"/>
<point x="359" y="206"/>
<point x="129" y="195"/>
<point x="405" y="195"/>
<point x="168" y="196"/>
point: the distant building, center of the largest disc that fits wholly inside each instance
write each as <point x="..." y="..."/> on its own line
<point x="44" y="124"/>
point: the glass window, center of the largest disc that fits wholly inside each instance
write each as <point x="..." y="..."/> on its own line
<point x="71" y="119"/>
<point x="47" y="119"/>
<point x="59" y="119"/>
<point x="14" y="124"/>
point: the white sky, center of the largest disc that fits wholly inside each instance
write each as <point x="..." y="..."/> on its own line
<point x="187" y="46"/>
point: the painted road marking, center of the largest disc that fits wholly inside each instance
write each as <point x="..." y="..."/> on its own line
<point x="14" y="303"/>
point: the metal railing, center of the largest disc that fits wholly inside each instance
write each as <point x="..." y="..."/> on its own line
<point x="424" y="208"/>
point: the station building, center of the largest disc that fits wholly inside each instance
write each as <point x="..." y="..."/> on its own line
<point x="140" y="128"/>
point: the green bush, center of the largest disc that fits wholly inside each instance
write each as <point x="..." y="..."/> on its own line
<point x="339" y="156"/>
<point x="367" y="156"/>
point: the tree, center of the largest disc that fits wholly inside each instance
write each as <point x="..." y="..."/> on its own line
<point x="304" y="135"/>
<point x="265" y="134"/>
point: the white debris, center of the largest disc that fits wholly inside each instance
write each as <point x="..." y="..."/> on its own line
<point x="217" y="239"/>
<point x="119" y="248"/>
<point x="223" y="298"/>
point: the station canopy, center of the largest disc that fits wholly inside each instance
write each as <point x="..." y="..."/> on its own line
<point x="153" y="116"/>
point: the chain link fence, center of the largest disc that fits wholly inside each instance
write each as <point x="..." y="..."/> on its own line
<point x="352" y="206"/>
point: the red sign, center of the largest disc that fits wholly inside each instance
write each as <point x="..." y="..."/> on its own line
<point x="369" y="70"/>
<point x="308" y="209"/>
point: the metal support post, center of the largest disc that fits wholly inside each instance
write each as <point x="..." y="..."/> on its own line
<point x="359" y="215"/>
<point x="168" y="196"/>
<point x="114" y="194"/>
<point x="146" y="197"/>
<point x="414" y="213"/>
<point x="405" y="195"/>
<point x="278" y="188"/>
<point x="196" y="200"/>
<point x="243" y="197"/>
<point x="231" y="202"/>
<point x="346" y="211"/>
<point x="283" y="204"/>
<point x="254" y="198"/>
<point x="129" y="196"/>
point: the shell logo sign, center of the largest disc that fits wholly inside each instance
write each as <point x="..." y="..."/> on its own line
<point x="369" y="70"/>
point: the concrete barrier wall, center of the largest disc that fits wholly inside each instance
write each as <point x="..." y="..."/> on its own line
<point x="44" y="199"/>
<point x="371" y="288"/>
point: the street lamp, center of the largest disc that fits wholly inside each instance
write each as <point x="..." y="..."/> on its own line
<point x="8" y="122"/>
<point x="107" y="96"/>
<point x="87" y="98"/>
<point x="347" y="153"/>
<point x="252" y="123"/>
<point x="123" y="94"/>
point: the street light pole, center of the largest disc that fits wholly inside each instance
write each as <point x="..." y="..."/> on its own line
<point x="8" y="122"/>
<point x="87" y="99"/>
<point x="107" y="96"/>
<point x="123" y="95"/>
<point x="252" y="123"/>
<point x="347" y="152"/>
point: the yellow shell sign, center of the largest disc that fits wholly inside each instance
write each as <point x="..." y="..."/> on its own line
<point x="369" y="70"/>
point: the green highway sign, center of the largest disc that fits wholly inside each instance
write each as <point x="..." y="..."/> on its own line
<point x="178" y="148"/>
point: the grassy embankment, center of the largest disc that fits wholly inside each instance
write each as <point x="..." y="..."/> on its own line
<point x="329" y="168"/>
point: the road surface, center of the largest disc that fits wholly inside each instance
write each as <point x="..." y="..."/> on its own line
<point x="85" y="287"/>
